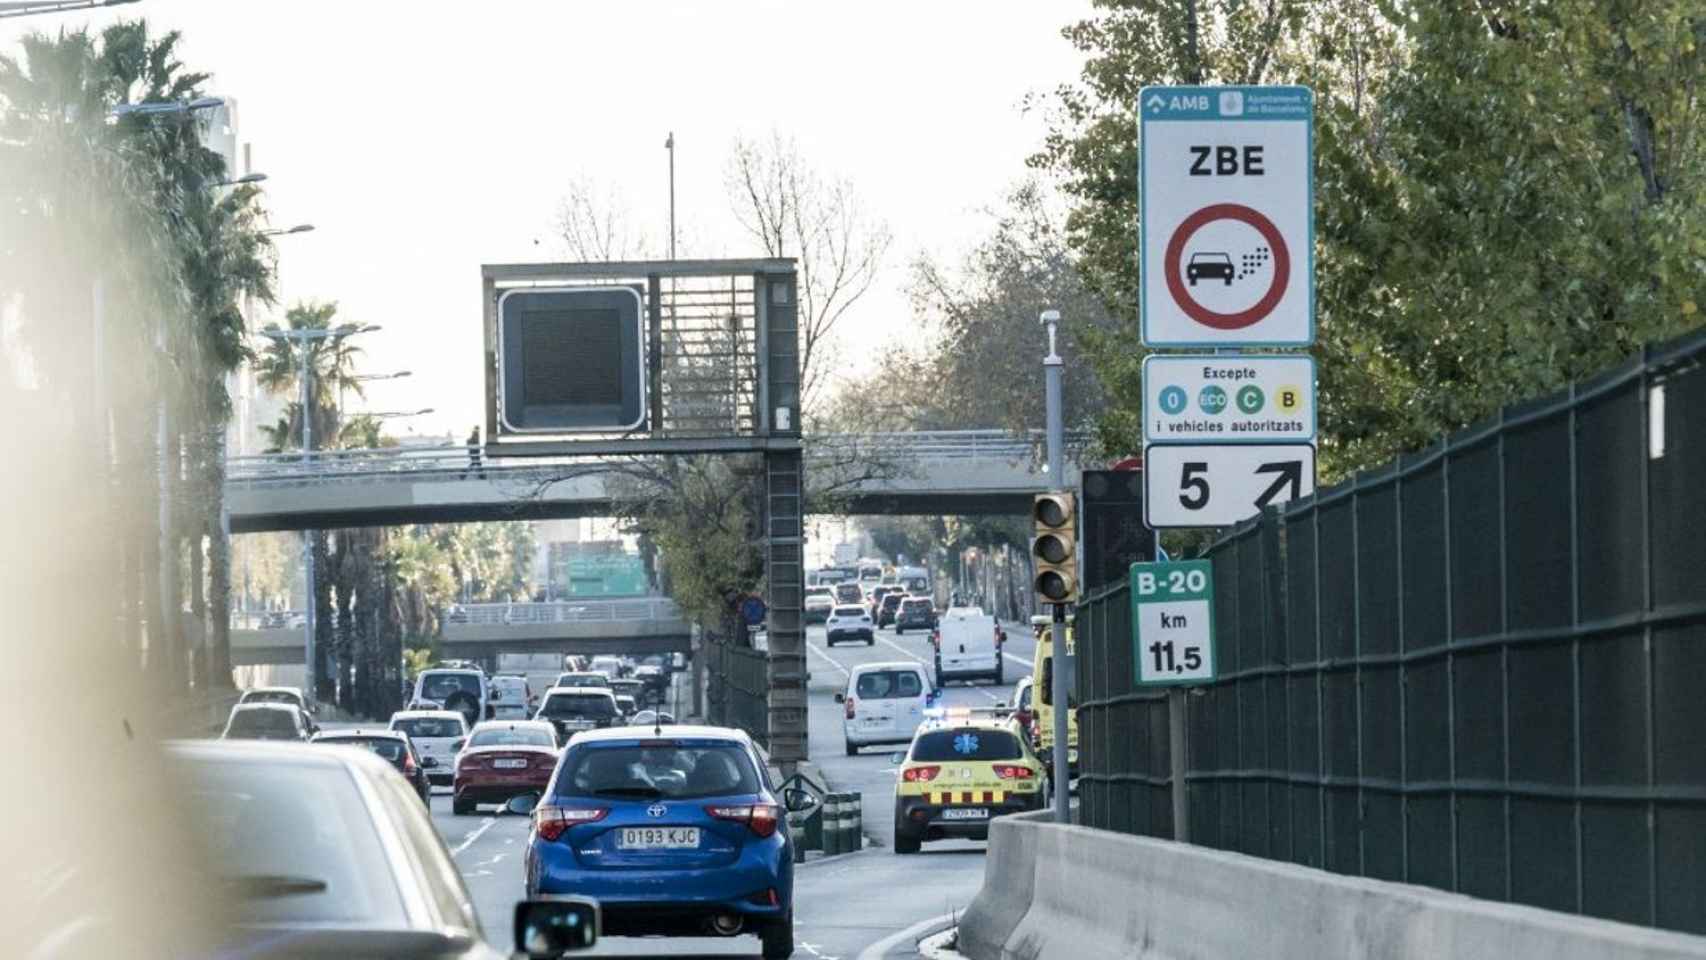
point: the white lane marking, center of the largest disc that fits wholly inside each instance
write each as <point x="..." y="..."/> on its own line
<point x="468" y="841"/>
<point x="832" y="661"/>
<point x="812" y="949"/>
<point x="992" y="697"/>
<point x="912" y="934"/>
<point x="1021" y="661"/>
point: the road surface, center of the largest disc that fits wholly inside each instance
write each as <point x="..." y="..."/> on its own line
<point x="843" y="906"/>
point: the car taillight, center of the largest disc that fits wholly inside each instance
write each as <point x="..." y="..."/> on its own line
<point x="1005" y="771"/>
<point x="551" y="821"/>
<point x="920" y="774"/>
<point x="760" y="817"/>
<point x="466" y="762"/>
<point x="850" y="703"/>
<point x="935" y="638"/>
<point x="408" y="766"/>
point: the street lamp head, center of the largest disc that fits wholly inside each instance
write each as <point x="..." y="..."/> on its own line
<point x="301" y="228"/>
<point x="1050" y="317"/>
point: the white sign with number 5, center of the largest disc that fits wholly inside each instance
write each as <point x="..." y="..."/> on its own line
<point x="1213" y="485"/>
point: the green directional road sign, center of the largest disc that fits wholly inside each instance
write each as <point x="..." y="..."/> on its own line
<point x="1172" y="615"/>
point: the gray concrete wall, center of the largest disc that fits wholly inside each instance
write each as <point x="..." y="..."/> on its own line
<point x="1069" y="893"/>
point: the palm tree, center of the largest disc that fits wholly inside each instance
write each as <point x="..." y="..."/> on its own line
<point x="122" y="207"/>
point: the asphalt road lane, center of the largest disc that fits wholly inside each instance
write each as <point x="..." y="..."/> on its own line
<point x="842" y="905"/>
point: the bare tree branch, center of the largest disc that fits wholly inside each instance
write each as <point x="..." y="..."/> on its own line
<point x="793" y="212"/>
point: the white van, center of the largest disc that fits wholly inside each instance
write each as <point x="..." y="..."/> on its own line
<point x="968" y="646"/>
<point x="512" y="698"/>
<point x="438" y="736"/>
<point x="884" y="703"/>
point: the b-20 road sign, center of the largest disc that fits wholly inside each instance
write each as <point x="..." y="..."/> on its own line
<point x="1172" y="616"/>
<point x="1226" y="177"/>
<point x="1228" y="399"/>
<point x="1217" y="485"/>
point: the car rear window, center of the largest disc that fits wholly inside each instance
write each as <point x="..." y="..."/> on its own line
<point x="270" y="696"/>
<point x="888" y="685"/>
<point x="849" y="611"/>
<point x="388" y="747"/>
<point x="578" y="706"/>
<point x="967" y="743"/>
<point x="261" y="723"/>
<point x="664" y="770"/>
<point x="583" y="680"/>
<point x="891" y="601"/>
<point x="519" y="737"/>
<point x="913" y="605"/>
<point x="441" y="686"/>
<point x="293" y="843"/>
<point x="847" y="593"/>
<point x="430" y="726"/>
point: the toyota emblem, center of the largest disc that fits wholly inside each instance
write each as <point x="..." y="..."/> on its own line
<point x="656" y="810"/>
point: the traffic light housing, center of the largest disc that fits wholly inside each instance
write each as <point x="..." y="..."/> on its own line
<point x="1054" y="547"/>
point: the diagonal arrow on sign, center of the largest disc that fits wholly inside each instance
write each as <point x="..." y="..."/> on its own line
<point x="1290" y="475"/>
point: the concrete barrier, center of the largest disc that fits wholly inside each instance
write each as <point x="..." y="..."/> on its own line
<point x="1068" y="893"/>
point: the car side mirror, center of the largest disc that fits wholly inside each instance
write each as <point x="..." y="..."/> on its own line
<point x="522" y="804"/>
<point x="841" y="698"/>
<point x="897" y="758"/>
<point x="429" y="762"/>
<point x="456" y="745"/>
<point x="799" y="800"/>
<point x="551" y="928"/>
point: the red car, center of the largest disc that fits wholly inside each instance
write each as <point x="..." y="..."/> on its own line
<point x="504" y="759"/>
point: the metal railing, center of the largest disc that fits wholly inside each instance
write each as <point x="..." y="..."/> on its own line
<point x="565" y="611"/>
<point x="457" y="461"/>
<point x="624" y="609"/>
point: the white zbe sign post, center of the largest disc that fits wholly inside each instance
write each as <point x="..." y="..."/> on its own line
<point x="1227" y="186"/>
<point x="1228" y="240"/>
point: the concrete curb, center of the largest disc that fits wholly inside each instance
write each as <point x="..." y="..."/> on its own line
<point x="936" y="946"/>
<point x="913" y="935"/>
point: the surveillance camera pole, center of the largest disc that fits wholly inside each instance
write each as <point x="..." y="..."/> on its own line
<point x="1059" y="691"/>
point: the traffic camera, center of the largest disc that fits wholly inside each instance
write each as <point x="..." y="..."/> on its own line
<point x="1054" y="547"/>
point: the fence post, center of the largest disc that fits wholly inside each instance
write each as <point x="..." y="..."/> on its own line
<point x="1176" y="760"/>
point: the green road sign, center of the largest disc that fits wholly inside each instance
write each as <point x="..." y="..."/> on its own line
<point x="1172" y="615"/>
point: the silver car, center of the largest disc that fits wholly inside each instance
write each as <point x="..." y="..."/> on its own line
<point x="330" y="853"/>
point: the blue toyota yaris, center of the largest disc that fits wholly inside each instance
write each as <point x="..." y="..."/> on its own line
<point x="676" y="831"/>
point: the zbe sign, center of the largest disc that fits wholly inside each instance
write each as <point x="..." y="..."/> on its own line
<point x="1227" y="231"/>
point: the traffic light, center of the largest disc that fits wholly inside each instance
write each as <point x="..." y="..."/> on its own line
<point x="1054" y="548"/>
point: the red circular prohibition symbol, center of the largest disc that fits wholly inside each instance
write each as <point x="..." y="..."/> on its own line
<point x="1262" y="307"/>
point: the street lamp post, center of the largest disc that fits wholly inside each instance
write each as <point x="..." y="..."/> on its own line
<point x="367" y="378"/>
<point x="299" y="339"/>
<point x="669" y="144"/>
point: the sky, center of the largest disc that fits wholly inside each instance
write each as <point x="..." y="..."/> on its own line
<point x="424" y="139"/>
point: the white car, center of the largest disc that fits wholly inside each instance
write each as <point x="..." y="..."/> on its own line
<point x="438" y="736"/>
<point x="968" y="646"/>
<point x="884" y="703"/>
<point x="850" y="622"/>
<point x="459" y="688"/>
<point x="582" y="678"/>
<point x="819" y="602"/>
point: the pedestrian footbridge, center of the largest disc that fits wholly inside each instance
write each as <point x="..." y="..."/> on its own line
<point x="629" y="626"/>
<point x="938" y="473"/>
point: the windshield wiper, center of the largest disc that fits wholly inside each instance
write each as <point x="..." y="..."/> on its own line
<point x="271" y="886"/>
<point x="648" y="792"/>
